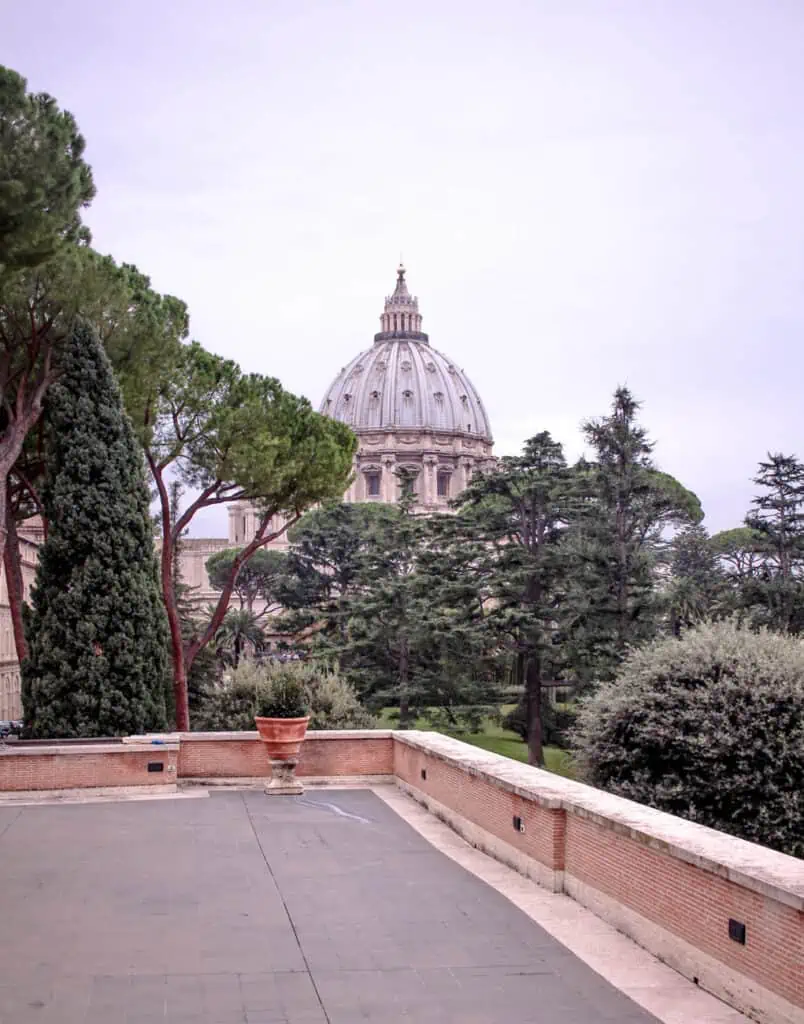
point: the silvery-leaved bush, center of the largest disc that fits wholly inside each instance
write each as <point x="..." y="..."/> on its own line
<point x="709" y="727"/>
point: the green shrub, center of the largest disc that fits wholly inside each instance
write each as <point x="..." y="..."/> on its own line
<point x="334" y="703"/>
<point x="266" y="689"/>
<point x="709" y="727"/>
<point x="229" y="707"/>
<point x="282" y="696"/>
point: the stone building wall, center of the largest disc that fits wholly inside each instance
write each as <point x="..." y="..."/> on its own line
<point x="10" y="698"/>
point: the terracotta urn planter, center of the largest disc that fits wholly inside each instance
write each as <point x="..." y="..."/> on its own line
<point x="283" y="738"/>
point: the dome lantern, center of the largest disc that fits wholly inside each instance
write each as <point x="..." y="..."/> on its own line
<point x="401" y="317"/>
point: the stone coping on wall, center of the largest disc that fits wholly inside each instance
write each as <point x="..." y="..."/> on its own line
<point x="312" y="734"/>
<point x="131" y="746"/>
<point x="764" y="871"/>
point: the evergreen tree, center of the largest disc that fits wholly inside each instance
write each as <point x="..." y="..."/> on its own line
<point x="97" y="633"/>
<point x="777" y="518"/>
<point x="392" y="598"/>
<point x="323" y="564"/>
<point x="382" y="644"/>
<point x="45" y="180"/>
<point x="624" y="503"/>
<point x="697" y="588"/>
<point x="521" y="512"/>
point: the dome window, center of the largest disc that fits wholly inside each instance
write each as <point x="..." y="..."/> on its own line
<point x="443" y="485"/>
<point x="465" y="399"/>
<point x="407" y="393"/>
<point x="373" y="484"/>
<point x="347" y="397"/>
<point x="406" y="365"/>
<point x="431" y="367"/>
<point x="439" y="396"/>
<point x="375" y="396"/>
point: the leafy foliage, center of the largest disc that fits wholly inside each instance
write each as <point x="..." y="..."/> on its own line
<point x="709" y="727"/>
<point x="96" y="630"/>
<point x="331" y="700"/>
<point x="233" y="436"/>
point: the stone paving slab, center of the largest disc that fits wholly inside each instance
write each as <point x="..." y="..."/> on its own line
<point x="253" y="909"/>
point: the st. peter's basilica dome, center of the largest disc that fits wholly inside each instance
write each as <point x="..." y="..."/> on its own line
<point x="412" y="408"/>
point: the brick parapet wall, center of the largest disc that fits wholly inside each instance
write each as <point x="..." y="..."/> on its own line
<point x="325" y="753"/>
<point x="90" y="766"/>
<point x="463" y="789"/>
<point x="673" y="885"/>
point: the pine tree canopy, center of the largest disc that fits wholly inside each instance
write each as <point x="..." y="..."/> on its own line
<point x="96" y="629"/>
<point x="44" y="180"/>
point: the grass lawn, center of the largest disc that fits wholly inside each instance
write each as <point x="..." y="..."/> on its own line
<point x="499" y="741"/>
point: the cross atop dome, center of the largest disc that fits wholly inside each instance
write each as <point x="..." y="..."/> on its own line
<point x="401" y="317"/>
<point x="401" y="287"/>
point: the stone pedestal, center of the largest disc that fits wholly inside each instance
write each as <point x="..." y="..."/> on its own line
<point x="283" y="781"/>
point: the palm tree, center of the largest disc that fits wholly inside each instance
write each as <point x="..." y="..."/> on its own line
<point x="240" y="632"/>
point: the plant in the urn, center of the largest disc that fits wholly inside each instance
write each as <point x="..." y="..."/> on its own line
<point x="283" y="709"/>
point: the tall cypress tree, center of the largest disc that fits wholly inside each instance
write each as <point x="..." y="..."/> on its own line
<point x="96" y="628"/>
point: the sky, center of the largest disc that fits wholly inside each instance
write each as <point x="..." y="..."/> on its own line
<point x="586" y="193"/>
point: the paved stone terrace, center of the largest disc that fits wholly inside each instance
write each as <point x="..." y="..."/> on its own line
<point x="246" y="908"/>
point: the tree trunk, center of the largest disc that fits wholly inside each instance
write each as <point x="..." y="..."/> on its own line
<point x="533" y="703"/>
<point x="166" y="571"/>
<point x="404" y="693"/>
<point x="180" y="692"/>
<point x="14" y="584"/>
<point x="261" y="538"/>
<point x="622" y="580"/>
<point x="4" y="502"/>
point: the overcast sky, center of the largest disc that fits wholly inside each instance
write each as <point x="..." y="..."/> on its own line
<point x="585" y="192"/>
